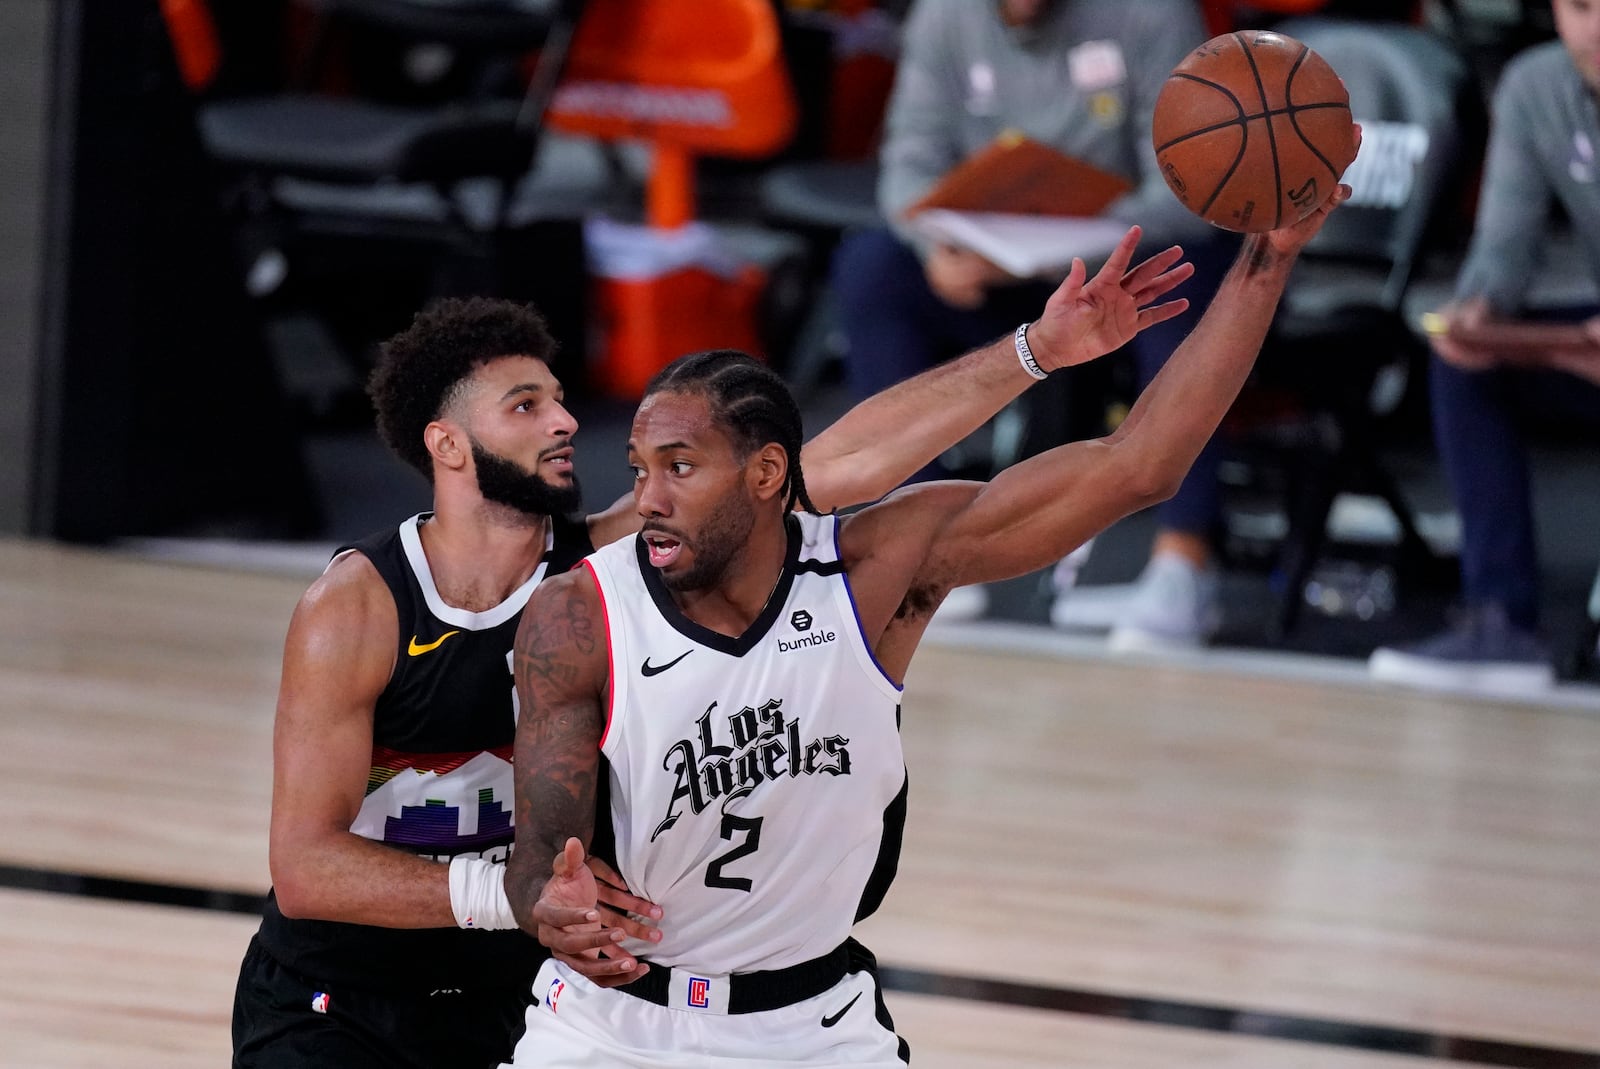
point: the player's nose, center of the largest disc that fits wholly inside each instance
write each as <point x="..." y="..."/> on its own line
<point x="650" y="497"/>
<point x="563" y="421"/>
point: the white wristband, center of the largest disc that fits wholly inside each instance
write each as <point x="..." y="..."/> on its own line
<point x="478" y="894"/>
<point x="1025" y="354"/>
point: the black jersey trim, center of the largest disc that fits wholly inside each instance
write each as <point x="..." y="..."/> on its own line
<point x="743" y="644"/>
<point x="820" y="567"/>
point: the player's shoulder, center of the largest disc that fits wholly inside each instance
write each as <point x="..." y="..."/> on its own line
<point x="559" y="593"/>
<point x="564" y="623"/>
<point x="349" y="589"/>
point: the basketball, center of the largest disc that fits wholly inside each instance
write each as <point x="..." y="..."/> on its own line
<point x="1252" y="131"/>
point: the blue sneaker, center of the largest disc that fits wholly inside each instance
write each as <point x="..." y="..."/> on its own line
<point x="1483" y="652"/>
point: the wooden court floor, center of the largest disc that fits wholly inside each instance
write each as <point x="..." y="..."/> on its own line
<point x="1120" y="864"/>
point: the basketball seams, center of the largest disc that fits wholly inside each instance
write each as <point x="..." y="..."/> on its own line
<point x="1295" y="110"/>
<point x="1200" y="131"/>
<point x="1272" y="140"/>
<point x="1238" y="106"/>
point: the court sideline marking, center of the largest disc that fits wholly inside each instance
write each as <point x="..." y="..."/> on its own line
<point x="1196" y="1016"/>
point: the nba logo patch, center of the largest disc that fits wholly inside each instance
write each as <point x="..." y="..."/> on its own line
<point x="557" y="986"/>
<point x="699" y="993"/>
<point x="319" y="1002"/>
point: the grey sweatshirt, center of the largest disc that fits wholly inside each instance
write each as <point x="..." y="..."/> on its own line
<point x="1544" y="148"/>
<point x="1084" y="80"/>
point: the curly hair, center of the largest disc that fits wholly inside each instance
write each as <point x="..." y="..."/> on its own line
<point x="749" y="400"/>
<point x="418" y="369"/>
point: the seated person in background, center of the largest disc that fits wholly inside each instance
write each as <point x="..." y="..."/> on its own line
<point x="1494" y="363"/>
<point x="1082" y="77"/>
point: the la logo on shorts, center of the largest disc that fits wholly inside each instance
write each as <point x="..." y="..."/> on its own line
<point x="699" y="992"/>
<point x="557" y="986"/>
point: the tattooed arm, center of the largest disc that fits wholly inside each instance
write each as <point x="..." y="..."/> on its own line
<point x="559" y="660"/>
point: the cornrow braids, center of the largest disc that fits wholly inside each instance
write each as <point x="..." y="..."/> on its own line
<point x="418" y="369"/>
<point x="749" y="400"/>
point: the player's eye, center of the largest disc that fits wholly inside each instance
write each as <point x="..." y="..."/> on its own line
<point x="681" y="467"/>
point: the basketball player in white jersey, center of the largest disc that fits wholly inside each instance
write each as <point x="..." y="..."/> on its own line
<point x="393" y="740"/>
<point x="738" y="666"/>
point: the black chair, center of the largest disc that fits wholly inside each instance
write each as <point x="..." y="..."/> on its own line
<point x="821" y="200"/>
<point x="490" y="130"/>
<point x="386" y="175"/>
<point x="1341" y="356"/>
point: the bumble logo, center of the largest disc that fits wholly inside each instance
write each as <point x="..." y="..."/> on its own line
<point x="801" y="621"/>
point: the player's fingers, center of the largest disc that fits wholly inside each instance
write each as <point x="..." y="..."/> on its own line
<point x="1116" y="264"/>
<point x="579" y="940"/>
<point x="567" y="861"/>
<point x="1163" y="284"/>
<point x="1153" y="266"/>
<point x="604" y="971"/>
<point x="544" y="913"/>
<point x="1070" y="285"/>
<point x="620" y="979"/>
<point x="606" y="876"/>
<point x="638" y="927"/>
<point x="618" y="897"/>
<point x="1160" y="313"/>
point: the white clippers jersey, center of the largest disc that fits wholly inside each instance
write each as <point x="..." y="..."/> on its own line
<point x="757" y="782"/>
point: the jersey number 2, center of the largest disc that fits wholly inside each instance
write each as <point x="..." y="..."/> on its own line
<point x="730" y="826"/>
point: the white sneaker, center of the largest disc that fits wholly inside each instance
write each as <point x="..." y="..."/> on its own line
<point x="962" y="604"/>
<point x="1092" y="608"/>
<point x="1175" y="605"/>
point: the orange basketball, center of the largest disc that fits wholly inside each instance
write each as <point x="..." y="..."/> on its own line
<point x="1252" y="130"/>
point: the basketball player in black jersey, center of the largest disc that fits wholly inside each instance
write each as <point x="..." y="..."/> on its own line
<point x="391" y="783"/>
<point x="717" y="549"/>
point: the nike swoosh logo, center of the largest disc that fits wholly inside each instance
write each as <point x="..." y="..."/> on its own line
<point x="417" y="650"/>
<point x="656" y="669"/>
<point x="833" y="1019"/>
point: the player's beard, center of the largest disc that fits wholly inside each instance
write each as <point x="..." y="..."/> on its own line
<point x="505" y="482"/>
<point x="718" y="541"/>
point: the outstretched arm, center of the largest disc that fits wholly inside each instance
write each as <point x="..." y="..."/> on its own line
<point x="905" y="554"/>
<point x="1037" y="511"/>
<point x="883" y="440"/>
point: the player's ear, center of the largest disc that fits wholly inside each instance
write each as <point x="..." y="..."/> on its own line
<point x="447" y="443"/>
<point x="769" y="470"/>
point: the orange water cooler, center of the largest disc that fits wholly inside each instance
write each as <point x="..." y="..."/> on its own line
<point x="688" y="78"/>
<point x="649" y="306"/>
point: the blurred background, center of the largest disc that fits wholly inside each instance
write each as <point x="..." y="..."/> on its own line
<point x="214" y="210"/>
<point x="1251" y="854"/>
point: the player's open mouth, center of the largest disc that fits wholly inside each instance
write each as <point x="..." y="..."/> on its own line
<point x="663" y="550"/>
<point x="561" y="460"/>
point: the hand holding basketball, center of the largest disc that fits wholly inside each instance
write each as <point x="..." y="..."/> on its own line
<point x="1253" y="130"/>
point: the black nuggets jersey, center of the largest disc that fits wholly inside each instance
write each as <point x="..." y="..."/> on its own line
<point x="440" y="782"/>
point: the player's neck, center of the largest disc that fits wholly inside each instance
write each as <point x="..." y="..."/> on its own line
<point x="477" y="562"/>
<point x="731" y="605"/>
